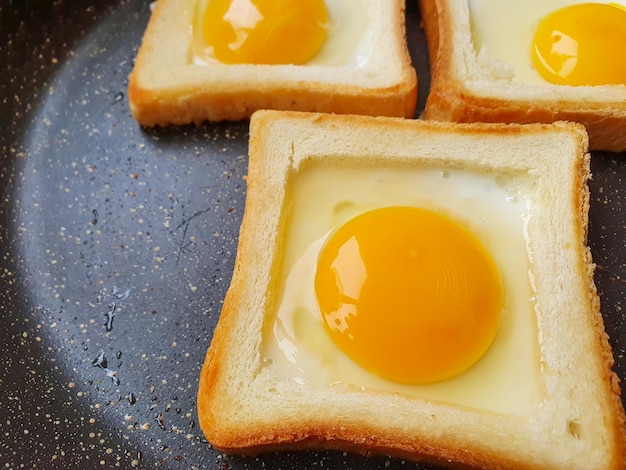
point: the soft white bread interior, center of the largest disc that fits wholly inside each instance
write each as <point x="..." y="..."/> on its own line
<point x="469" y="86"/>
<point x="167" y="86"/>
<point x="246" y="406"/>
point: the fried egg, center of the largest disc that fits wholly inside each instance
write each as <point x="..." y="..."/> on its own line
<point x="408" y="293"/>
<point x="564" y="42"/>
<point x="271" y="32"/>
<point x="331" y="207"/>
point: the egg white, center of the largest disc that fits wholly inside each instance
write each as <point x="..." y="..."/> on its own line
<point x="347" y="39"/>
<point x="295" y="344"/>
<point x="504" y="29"/>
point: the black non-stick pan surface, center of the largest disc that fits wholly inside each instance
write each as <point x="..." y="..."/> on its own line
<point x="117" y="245"/>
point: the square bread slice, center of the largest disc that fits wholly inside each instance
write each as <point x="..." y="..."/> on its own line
<point x="543" y="397"/>
<point x="468" y="85"/>
<point x="373" y="76"/>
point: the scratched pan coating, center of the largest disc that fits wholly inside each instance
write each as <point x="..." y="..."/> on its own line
<point x="117" y="246"/>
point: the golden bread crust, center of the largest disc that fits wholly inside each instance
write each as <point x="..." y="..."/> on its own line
<point x="283" y="416"/>
<point x="172" y="90"/>
<point x="453" y="97"/>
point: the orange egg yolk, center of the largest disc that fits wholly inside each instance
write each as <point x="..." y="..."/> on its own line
<point x="582" y="45"/>
<point x="264" y="31"/>
<point x="408" y="294"/>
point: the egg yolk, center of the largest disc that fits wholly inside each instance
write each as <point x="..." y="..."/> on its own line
<point x="408" y="294"/>
<point x="582" y="45"/>
<point x="264" y="31"/>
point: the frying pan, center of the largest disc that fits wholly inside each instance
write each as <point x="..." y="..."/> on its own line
<point x="117" y="246"/>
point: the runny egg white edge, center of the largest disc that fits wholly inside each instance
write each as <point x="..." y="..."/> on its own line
<point x="495" y="208"/>
<point x="503" y="30"/>
<point x="348" y="39"/>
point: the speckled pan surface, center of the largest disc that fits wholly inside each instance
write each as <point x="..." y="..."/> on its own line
<point x="117" y="245"/>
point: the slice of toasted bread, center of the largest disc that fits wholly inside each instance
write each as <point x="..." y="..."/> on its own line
<point x="168" y="86"/>
<point x="467" y="86"/>
<point x="574" y="419"/>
